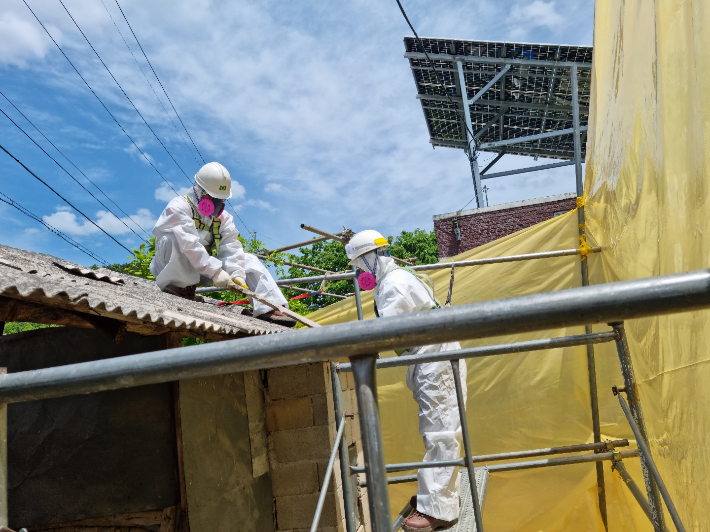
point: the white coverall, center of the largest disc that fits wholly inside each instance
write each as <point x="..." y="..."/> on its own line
<point x="397" y="292"/>
<point x="181" y="258"/>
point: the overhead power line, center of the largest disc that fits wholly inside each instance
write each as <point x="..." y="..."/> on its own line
<point x="6" y="199"/>
<point x="68" y="173"/>
<point x="99" y="99"/>
<point x="169" y="100"/>
<point x="64" y="199"/>
<point x="124" y="92"/>
<point x="159" y="82"/>
<point x="434" y="69"/>
<point x="149" y="83"/>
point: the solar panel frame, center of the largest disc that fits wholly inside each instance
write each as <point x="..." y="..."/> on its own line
<point x="543" y="93"/>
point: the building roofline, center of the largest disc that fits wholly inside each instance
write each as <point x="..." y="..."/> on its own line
<point x="505" y="206"/>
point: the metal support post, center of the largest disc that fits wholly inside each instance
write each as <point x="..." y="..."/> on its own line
<point x="627" y="370"/>
<point x="378" y="498"/>
<point x="591" y="363"/>
<point x="358" y="301"/>
<point x="328" y="473"/>
<point x="618" y="466"/>
<point x="3" y="461"/>
<point x="471" y="151"/>
<point x="649" y="466"/>
<point x="348" y="498"/>
<point x="467" y="446"/>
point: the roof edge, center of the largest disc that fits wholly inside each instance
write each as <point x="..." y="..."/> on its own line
<point x="504" y="206"/>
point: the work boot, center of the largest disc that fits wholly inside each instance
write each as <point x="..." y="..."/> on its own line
<point x="419" y="522"/>
<point x="277" y="317"/>
<point x="186" y="293"/>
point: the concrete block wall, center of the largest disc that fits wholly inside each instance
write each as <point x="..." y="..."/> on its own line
<point x="480" y="226"/>
<point x="300" y="423"/>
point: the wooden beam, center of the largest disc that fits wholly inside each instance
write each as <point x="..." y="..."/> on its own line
<point x="130" y="520"/>
<point x="182" y="521"/>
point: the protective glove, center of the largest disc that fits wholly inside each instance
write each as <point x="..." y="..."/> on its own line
<point x="221" y="278"/>
<point x="236" y="279"/>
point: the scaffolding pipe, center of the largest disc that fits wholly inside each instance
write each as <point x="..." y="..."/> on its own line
<point x="603" y="303"/>
<point x="348" y="499"/>
<point x="618" y="466"/>
<point x="340" y="276"/>
<point x="650" y="464"/>
<point x="358" y="300"/>
<point x="603" y="446"/>
<point x="372" y="446"/>
<point x="467" y="445"/>
<point x="627" y="371"/>
<point x="300" y="244"/>
<point x="490" y="350"/>
<point x="296" y="265"/>
<point x="328" y="473"/>
<point x="532" y="464"/>
<point x="591" y="363"/>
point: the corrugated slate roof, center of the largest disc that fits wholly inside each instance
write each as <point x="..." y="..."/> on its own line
<point x="53" y="282"/>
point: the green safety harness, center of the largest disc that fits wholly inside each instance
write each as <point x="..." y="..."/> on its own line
<point x="213" y="248"/>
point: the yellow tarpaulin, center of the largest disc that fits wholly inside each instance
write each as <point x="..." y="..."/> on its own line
<point x="646" y="190"/>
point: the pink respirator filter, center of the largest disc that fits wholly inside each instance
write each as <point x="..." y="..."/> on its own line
<point x="366" y="281"/>
<point x="206" y="207"/>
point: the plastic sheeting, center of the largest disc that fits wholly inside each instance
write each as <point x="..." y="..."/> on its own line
<point x="646" y="190"/>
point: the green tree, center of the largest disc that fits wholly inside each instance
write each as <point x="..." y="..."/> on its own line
<point x="418" y="243"/>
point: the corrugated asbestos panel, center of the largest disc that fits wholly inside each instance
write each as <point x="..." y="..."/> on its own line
<point x="57" y="283"/>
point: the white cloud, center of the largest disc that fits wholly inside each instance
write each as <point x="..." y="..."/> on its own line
<point x="67" y="221"/>
<point x="260" y="204"/>
<point x="273" y="187"/>
<point x="165" y="193"/>
<point x="315" y="95"/>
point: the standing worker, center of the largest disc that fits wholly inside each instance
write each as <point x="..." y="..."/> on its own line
<point x="398" y="291"/>
<point x="196" y="243"/>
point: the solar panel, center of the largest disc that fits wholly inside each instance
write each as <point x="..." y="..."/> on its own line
<point x="533" y="97"/>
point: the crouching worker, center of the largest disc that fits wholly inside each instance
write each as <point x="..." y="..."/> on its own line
<point x="196" y="244"/>
<point x="398" y="291"/>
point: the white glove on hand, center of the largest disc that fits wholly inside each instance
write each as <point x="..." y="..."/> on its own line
<point x="221" y="278"/>
<point x="238" y="279"/>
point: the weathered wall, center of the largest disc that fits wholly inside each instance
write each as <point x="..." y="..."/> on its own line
<point x="480" y="226"/>
<point x="224" y="491"/>
<point x="87" y="456"/>
<point x="300" y="421"/>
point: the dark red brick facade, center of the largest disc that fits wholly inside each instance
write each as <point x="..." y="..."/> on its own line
<point x="480" y="226"/>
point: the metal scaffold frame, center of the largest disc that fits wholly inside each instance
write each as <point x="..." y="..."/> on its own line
<point x="360" y="341"/>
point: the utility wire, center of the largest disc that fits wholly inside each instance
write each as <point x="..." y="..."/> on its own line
<point x="472" y="151"/>
<point x="69" y="174"/>
<point x="123" y="91"/>
<point x="171" y="102"/>
<point x="161" y="85"/>
<point x="6" y="199"/>
<point x="100" y="101"/>
<point x="64" y="199"/>
<point x="150" y="84"/>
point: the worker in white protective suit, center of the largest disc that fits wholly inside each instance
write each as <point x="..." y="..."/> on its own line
<point x="196" y="243"/>
<point x="398" y="291"/>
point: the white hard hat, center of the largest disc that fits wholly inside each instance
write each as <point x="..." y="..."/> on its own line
<point x="216" y="181"/>
<point x="363" y="242"/>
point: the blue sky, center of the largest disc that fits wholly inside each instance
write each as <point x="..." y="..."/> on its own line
<point x="310" y="105"/>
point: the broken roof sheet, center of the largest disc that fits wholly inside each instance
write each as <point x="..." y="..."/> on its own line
<point x="53" y="282"/>
<point x="534" y="96"/>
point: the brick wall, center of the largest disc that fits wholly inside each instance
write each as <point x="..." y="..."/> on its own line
<point x="480" y="226"/>
<point x="300" y="422"/>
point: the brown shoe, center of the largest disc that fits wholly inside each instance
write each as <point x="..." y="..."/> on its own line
<point x="186" y="293"/>
<point x="277" y="317"/>
<point x="419" y="522"/>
